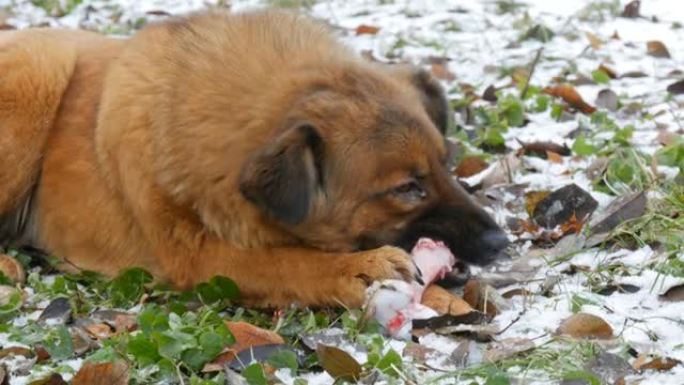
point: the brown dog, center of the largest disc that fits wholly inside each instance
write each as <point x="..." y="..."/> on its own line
<point x="252" y="146"/>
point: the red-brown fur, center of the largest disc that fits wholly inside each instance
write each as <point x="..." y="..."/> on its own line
<point x="154" y="152"/>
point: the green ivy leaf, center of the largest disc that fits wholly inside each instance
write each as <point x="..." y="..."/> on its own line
<point x="581" y="147"/>
<point x="218" y="288"/>
<point x="284" y="359"/>
<point x="126" y="289"/>
<point x="58" y="343"/>
<point x="600" y="77"/>
<point x="254" y="374"/>
<point x="390" y="363"/>
<point x="580" y="375"/>
<point x="143" y="350"/>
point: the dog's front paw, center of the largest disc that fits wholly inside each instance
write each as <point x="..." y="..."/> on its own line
<point x="359" y="270"/>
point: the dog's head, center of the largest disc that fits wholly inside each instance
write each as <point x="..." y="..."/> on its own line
<point x="361" y="161"/>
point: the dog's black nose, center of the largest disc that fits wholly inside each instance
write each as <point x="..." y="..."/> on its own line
<point x="494" y="241"/>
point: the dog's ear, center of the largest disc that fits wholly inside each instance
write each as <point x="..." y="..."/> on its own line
<point x="432" y="94"/>
<point x="282" y="178"/>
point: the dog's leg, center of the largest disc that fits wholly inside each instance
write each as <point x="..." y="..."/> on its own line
<point x="282" y="276"/>
<point x="34" y="73"/>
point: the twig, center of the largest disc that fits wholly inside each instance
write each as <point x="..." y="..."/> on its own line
<point x="529" y="76"/>
<point x="511" y="324"/>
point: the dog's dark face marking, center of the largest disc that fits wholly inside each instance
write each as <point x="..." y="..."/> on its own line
<point x="362" y="162"/>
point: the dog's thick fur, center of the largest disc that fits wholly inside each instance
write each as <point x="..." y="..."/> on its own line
<point x="252" y="146"/>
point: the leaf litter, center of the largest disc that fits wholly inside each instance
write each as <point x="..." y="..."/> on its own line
<point x="533" y="131"/>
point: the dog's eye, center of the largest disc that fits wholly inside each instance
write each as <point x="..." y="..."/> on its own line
<point x="410" y="190"/>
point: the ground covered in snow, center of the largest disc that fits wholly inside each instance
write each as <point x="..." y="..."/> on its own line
<point x="546" y="95"/>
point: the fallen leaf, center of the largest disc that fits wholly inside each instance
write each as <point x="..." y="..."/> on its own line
<point x="52" y="379"/>
<point x="675" y="294"/>
<point x="444" y="302"/>
<point x="676" y="88"/>
<point x="501" y="174"/>
<point x="584" y="325"/>
<point x="594" y="41"/>
<point x="364" y="29"/>
<point x="561" y="205"/>
<point x="507" y="348"/>
<point x="118" y="320"/>
<point x="107" y="373"/>
<point x="246" y="336"/>
<point x="631" y="10"/>
<point x="12" y="269"/>
<point x="633" y="74"/>
<point x="57" y="312"/>
<point x="490" y="94"/>
<point x="338" y="363"/>
<point x="99" y="331"/>
<point x="157" y="12"/>
<point x="619" y="288"/>
<point x="469" y="166"/>
<point x="619" y="210"/>
<point x="607" y="99"/>
<point x="16" y="351"/>
<point x="262" y="354"/>
<point x="419" y="353"/>
<point x="554" y="157"/>
<point x="440" y="71"/>
<point x="447" y="320"/>
<point x="571" y="226"/>
<point x="657" y="49"/>
<point x="570" y="96"/>
<point x="661" y="364"/>
<point x="541" y="149"/>
<point x="608" y="71"/>
<point x="330" y="337"/>
<point x="484" y="298"/>
<point x="532" y="198"/>
<point x="609" y="368"/>
<point x="515" y="292"/>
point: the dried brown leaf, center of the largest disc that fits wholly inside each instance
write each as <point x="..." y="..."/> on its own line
<point x="584" y="325"/>
<point x="595" y="42"/>
<point x="661" y="364"/>
<point x="365" y="29"/>
<point x="469" y="166"/>
<point x="674" y="294"/>
<point x="338" y="363"/>
<point x="676" y="88"/>
<point x="99" y="331"/>
<point x="483" y="297"/>
<point x="12" y="269"/>
<point x="107" y="373"/>
<point x="608" y="71"/>
<point x="656" y="48"/>
<point x="490" y="94"/>
<point x="444" y="302"/>
<point x="631" y="10"/>
<point x="554" y="157"/>
<point x="570" y="96"/>
<point x="532" y="198"/>
<point x="542" y="148"/>
<point x="246" y="336"/>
